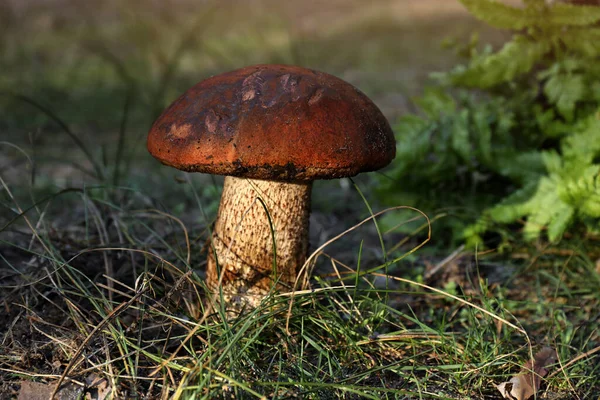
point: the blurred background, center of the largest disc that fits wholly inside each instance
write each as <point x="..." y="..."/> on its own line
<point x="105" y="67"/>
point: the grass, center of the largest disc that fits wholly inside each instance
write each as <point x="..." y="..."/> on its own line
<point x="115" y="293"/>
<point x="102" y="251"/>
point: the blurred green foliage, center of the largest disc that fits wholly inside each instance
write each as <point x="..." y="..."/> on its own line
<point x="514" y="134"/>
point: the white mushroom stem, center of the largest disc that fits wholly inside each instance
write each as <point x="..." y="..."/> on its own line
<point x="246" y="238"/>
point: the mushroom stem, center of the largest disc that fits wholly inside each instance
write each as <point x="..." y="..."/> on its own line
<point x="243" y="246"/>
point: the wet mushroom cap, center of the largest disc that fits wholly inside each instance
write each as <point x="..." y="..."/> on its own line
<point x="273" y="122"/>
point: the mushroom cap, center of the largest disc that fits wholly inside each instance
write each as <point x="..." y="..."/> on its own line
<point x="275" y="122"/>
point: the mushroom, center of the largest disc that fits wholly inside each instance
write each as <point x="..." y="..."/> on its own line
<point x="272" y="130"/>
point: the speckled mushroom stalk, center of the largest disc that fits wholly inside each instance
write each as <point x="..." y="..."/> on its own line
<point x="272" y="130"/>
<point x="246" y="241"/>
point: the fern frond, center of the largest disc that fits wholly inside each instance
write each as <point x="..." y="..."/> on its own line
<point x="544" y="208"/>
<point x="540" y="90"/>
<point x="591" y="206"/>
<point x="435" y="102"/>
<point x="510" y="210"/>
<point x="484" y="136"/>
<point x="584" y="144"/>
<point x="585" y="41"/>
<point x="413" y="142"/>
<point x="472" y="233"/>
<point x="565" y="14"/>
<point x="552" y="161"/>
<point x="500" y="15"/>
<point x="461" y="142"/>
<point x="563" y="218"/>
<point x="515" y="58"/>
<point x="583" y="192"/>
<point x="550" y="124"/>
<point x="565" y="90"/>
<point x="552" y="204"/>
<point x="520" y="167"/>
<point x="514" y="206"/>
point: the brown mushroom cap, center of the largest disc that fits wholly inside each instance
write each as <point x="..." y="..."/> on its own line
<point x="273" y="122"/>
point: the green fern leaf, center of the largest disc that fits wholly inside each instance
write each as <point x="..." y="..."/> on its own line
<point x="543" y="208"/>
<point x="515" y="58"/>
<point x="502" y="16"/>
<point x="435" y="102"/>
<point x="460" y="135"/>
<point x="583" y="145"/>
<point x="484" y="136"/>
<point x="497" y="130"/>
<point x="520" y="167"/>
<point x="595" y="89"/>
<point x="563" y="218"/>
<point x="565" y="90"/>
<point x="413" y="144"/>
<point x="564" y="14"/>
<point x="591" y="206"/>
<point x="552" y="161"/>
<point x="535" y="4"/>
<point x="585" y="41"/>
<point x="499" y="15"/>
<point x="472" y="233"/>
<point x="583" y="191"/>
<point x="514" y="206"/>
<point x="549" y="124"/>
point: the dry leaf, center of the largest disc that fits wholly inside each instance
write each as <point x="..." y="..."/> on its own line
<point x="100" y="388"/>
<point x="41" y="391"/>
<point x="527" y="383"/>
<point x="34" y="391"/>
<point x="517" y="388"/>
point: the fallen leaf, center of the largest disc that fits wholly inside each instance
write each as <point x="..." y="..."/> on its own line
<point x="41" y="391"/>
<point x="517" y="388"/>
<point x="527" y="382"/>
<point x="34" y="391"/>
<point x="98" y="388"/>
